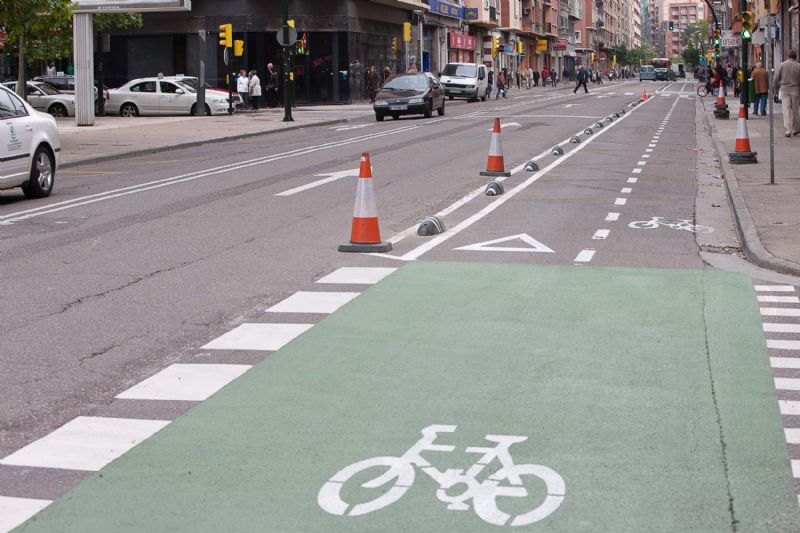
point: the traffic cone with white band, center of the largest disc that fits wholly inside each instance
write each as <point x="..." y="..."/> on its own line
<point x="495" y="166"/>
<point x="644" y="95"/>
<point x="743" y="154"/>
<point x="365" y="236"/>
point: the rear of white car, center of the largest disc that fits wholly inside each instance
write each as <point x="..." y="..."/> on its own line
<point x="29" y="147"/>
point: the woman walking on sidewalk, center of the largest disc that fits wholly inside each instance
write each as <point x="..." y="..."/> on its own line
<point x="243" y="87"/>
<point x="255" y="89"/>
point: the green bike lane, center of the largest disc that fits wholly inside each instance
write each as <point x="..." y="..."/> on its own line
<point x="645" y="396"/>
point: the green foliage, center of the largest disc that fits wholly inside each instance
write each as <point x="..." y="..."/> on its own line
<point x="691" y="56"/>
<point x="635" y="56"/>
<point x="696" y="36"/>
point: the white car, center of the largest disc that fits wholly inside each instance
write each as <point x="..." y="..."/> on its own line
<point x="44" y="97"/>
<point x="29" y="147"/>
<point x="159" y="96"/>
<point x="211" y="91"/>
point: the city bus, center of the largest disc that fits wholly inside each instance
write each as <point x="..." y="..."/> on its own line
<point x="662" y="67"/>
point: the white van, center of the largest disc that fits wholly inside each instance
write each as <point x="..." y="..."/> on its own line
<point x="464" y="80"/>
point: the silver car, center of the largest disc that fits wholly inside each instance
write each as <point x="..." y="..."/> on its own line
<point x="46" y="98"/>
<point x="29" y="147"/>
<point x="159" y="96"/>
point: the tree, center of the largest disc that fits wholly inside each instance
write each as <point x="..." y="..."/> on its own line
<point x="691" y="56"/>
<point x="42" y="30"/>
<point x="696" y="36"/>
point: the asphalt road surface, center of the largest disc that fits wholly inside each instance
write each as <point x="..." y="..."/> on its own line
<point x="589" y="266"/>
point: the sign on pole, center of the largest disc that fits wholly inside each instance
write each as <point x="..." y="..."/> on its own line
<point x="130" y="6"/>
<point x="730" y="40"/>
<point x="292" y="37"/>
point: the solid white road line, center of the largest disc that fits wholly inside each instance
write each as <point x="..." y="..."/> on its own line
<point x="357" y="275"/>
<point x="777" y="344"/>
<point x="784" y="362"/>
<point x="15" y="511"/>
<point x="85" y="443"/>
<point x="772" y="327"/>
<point x="185" y="382"/>
<point x="601" y="234"/>
<point x="779" y="299"/>
<point x="313" y="302"/>
<point x="780" y="311"/>
<point x="585" y="256"/>
<point x="612" y="217"/>
<point x="774" y="288"/>
<point x="333" y="176"/>
<point x="258" y="337"/>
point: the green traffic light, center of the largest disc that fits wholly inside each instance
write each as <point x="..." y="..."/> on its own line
<point x="746" y="34"/>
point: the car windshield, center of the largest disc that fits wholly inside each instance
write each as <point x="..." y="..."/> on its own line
<point x="187" y="86"/>
<point x="460" y="71"/>
<point x="405" y="83"/>
<point x="47" y="89"/>
<point x="647" y="69"/>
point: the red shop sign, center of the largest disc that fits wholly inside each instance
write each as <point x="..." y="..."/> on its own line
<point x="462" y="41"/>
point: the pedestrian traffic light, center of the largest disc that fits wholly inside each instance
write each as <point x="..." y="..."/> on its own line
<point x="226" y="35"/>
<point x="747" y="24"/>
<point x="671" y="25"/>
<point x="302" y="45"/>
<point x="407" y="32"/>
<point x="238" y="48"/>
<point x="394" y="46"/>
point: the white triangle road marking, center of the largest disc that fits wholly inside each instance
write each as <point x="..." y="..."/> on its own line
<point x="507" y="125"/>
<point x="533" y="245"/>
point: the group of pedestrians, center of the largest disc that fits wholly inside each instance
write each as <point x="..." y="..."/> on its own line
<point x="249" y="87"/>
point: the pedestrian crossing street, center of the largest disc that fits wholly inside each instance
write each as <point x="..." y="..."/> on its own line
<point x="86" y="444"/>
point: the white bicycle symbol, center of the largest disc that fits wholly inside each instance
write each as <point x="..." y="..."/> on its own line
<point x="683" y="224"/>
<point x="400" y="471"/>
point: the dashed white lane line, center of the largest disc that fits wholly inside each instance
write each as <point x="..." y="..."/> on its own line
<point x="779" y="311"/>
<point x="620" y="201"/>
<point x="789" y="407"/>
<point x="649" y="150"/>
<point x="778" y="299"/>
<point x="771" y="327"/>
<point x="185" y="382"/>
<point x="626" y="190"/>
<point x="15" y="511"/>
<point x="633" y="180"/>
<point x="792" y="435"/>
<point x="601" y="234"/>
<point x="778" y="344"/>
<point x="85" y="443"/>
<point x="612" y="217"/>
<point x="645" y="156"/>
<point x="641" y="163"/>
<point x="636" y="171"/>
<point x="774" y="288"/>
<point x="313" y="302"/>
<point x="585" y="256"/>
<point x="795" y="468"/>
<point x="787" y="384"/>
<point x="258" y="337"/>
<point x="357" y="275"/>
<point x="651" y="145"/>
<point x="784" y="362"/>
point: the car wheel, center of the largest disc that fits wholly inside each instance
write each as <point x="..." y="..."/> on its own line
<point x="440" y="111"/>
<point x="379" y="117"/>
<point x="450" y="97"/>
<point x="483" y="98"/>
<point x="429" y="110"/>
<point x="40" y="183"/>
<point x="58" y="110"/>
<point x="395" y="117"/>
<point x="129" y="110"/>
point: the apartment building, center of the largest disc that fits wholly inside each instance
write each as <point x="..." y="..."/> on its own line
<point x="681" y="13"/>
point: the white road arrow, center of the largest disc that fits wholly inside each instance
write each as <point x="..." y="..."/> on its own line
<point x="508" y="125"/>
<point x="331" y="176"/>
<point x="533" y="245"/>
<point x="570" y="105"/>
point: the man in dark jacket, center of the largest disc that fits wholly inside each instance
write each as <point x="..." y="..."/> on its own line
<point x="581" y="77"/>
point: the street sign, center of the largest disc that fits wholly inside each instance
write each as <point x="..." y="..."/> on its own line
<point x="509" y="48"/>
<point x="292" y="37"/>
<point x="131" y="6"/>
<point x="730" y="40"/>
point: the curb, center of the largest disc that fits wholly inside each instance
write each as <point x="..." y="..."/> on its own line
<point x="753" y="249"/>
<point x="191" y="144"/>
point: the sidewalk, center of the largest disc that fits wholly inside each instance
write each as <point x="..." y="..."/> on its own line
<point x="766" y="215"/>
<point x="112" y="137"/>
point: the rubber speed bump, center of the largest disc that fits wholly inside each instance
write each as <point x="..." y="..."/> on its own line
<point x="494" y="189"/>
<point x="430" y="226"/>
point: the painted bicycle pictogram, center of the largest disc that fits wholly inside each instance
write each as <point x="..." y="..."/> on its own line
<point x="507" y="481"/>
<point x="683" y="224"/>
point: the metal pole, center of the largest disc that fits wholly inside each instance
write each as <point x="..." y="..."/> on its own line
<point x="287" y="81"/>
<point x="201" y="85"/>
<point x="771" y="96"/>
<point x="84" y="69"/>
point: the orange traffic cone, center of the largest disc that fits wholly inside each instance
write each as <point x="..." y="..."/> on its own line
<point x="743" y="154"/>
<point x="365" y="235"/>
<point x="644" y="95"/>
<point x="495" y="166"/>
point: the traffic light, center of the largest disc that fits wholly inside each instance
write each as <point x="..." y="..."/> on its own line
<point x="407" y="32"/>
<point x="716" y="52"/>
<point x="226" y="35"/>
<point x="238" y="48"/>
<point x="495" y="45"/>
<point x="519" y="47"/>
<point x="747" y="24"/>
<point x="671" y="25"/>
<point x="591" y="60"/>
<point x="394" y="46"/>
<point x="716" y="37"/>
<point x="302" y="45"/>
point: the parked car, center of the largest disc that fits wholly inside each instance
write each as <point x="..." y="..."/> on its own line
<point x="29" y="146"/>
<point x="46" y="98"/>
<point x="194" y="83"/>
<point x="66" y="84"/>
<point x="159" y="96"/>
<point x="647" y="72"/>
<point x="410" y="94"/>
<point x="464" y="80"/>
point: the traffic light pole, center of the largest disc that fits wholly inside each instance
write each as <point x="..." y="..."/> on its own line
<point x="287" y="81"/>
